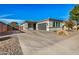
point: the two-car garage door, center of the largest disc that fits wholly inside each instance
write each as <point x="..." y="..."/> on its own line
<point x="42" y="26"/>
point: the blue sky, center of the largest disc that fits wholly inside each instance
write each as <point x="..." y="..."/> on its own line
<point x="34" y="12"/>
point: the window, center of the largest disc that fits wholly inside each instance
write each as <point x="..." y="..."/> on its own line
<point x="50" y="24"/>
<point x="53" y="24"/>
<point x="58" y="24"/>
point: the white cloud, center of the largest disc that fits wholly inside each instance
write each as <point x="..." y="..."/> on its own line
<point x="12" y="20"/>
<point x="6" y="15"/>
<point x="9" y="20"/>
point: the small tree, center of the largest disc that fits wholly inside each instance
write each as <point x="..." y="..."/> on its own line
<point x="74" y="13"/>
<point x="70" y="24"/>
<point x="14" y="25"/>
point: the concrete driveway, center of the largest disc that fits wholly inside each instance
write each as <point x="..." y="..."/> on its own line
<point x="42" y="42"/>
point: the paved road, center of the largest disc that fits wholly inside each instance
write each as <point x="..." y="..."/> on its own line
<point x="42" y="42"/>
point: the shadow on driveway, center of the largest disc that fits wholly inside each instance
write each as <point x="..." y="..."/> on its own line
<point x="10" y="32"/>
<point x="5" y="38"/>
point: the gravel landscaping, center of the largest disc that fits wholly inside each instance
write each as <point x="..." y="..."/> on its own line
<point x="10" y="46"/>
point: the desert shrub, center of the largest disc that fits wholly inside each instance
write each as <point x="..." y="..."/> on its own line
<point x="78" y="28"/>
<point x="62" y="32"/>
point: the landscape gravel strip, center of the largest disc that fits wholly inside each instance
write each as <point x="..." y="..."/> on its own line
<point x="10" y="46"/>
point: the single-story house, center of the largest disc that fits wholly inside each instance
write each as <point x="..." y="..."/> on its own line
<point x="48" y="25"/>
<point x="28" y="25"/>
<point x="3" y="27"/>
<point x="6" y="27"/>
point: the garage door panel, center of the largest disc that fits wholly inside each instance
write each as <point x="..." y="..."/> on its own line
<point x="42" y="26"/>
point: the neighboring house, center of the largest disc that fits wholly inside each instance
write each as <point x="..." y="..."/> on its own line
<point x="3" y="27"/>
<point x="28" y="25"/>
<point x="50" y="25"/>
<point x="6" y="27"/>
